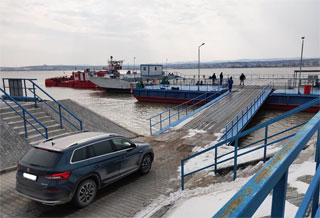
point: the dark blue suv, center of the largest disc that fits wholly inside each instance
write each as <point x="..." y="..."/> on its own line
<point x="74" y="167"/>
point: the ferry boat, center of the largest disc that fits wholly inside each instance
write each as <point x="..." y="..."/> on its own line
<point x="113" y="81"/>
<point x="78" y="79"/>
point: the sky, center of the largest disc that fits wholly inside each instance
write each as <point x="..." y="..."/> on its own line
<point x="36" y="32"/>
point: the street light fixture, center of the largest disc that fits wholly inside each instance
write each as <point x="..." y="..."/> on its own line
<point x="199" y="65"/>
<point x="134" y="64"/>
<point x="300" y="65"/>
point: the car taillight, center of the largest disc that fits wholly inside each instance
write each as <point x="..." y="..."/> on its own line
<point x="59" y="176"/>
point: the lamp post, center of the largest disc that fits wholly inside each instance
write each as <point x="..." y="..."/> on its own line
<point x="166" y="65"/>
<point x="300" y="65"/>
<point x="134" y="63"/>
<point x="199" y="65"/>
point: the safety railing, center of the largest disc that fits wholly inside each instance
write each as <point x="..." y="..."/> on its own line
<point x="273" y="177"/>
<point x="164" y="119"/>
<point x="239" y="121"/>
<point x="23" y="115"/>
<point x="218" y="159"/>
<point x="37" y="98"/>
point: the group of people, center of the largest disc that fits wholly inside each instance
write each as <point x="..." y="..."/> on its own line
<point x="214" y="78"/>
<point x="230" y="80"/>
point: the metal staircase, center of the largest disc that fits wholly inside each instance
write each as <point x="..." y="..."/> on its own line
<point x="20" y="109"/>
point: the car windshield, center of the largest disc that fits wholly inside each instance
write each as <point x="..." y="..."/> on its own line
<point x="41" y="158"/>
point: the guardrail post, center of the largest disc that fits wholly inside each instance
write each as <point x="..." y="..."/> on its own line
<point x="25" y="124"/>
<point x="279" y="196"/>
<point x="315" y="200"/>
<point x="150" y="127"/>
<point x="265" y="144"/>
<point x="160" y="122"/>
<point x="4" y="85"/>
<point x="232" y="128"/>
<point x="81" y="125"/>
<point x="25" y="88"/>
<point x="235" y="158"/>
<point x="35" y="97"/>
<point x="60" y="116"/>
<point x="169" y="117"/>
<point x="182" y="175"/>
<point x="215" y="159"/>
<point x="178" y="114"/>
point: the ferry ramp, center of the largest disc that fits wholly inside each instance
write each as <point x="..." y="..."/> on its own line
<point x="213" y="119"/>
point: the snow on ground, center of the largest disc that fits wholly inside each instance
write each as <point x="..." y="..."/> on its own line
<point x="207" y="158"/>
<point x="193" y="132"/>
<point x="205" y="202"/>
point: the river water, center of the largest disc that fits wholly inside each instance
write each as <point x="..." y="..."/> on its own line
<point x="125" y="110"/>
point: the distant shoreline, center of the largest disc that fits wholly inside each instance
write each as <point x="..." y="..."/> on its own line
<point x="310" y="62"/>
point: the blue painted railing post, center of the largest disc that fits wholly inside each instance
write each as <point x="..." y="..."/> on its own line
<point x="182" y="174"/>
<point x="81" y="125"/>
<point x="150" y="127"/>
<point x="315" y="201"/>
<point x="35" y="97"/>
<point x="25" y="124"/>
<point x="4" y="85"/>
<point x="169" y="117"/>
<point x="279" y="197"/>
<point x="160" y="122"/>
<point x="215" y="159"/>
<point x="25" y="88"/>
<point x="60" y="116"/>
<point x="265" y="144"/>
<point x="235" y="158"/>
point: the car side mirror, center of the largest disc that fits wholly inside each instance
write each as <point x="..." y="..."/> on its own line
<point x="133" y="145"/>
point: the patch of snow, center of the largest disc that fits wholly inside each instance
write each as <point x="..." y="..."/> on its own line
<point x="299" y="170"/>
<point x="178" y="126"/>
<point x="193" y="132"/>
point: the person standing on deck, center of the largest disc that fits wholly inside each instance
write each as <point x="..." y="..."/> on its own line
<point x="213" y="78"/>
<point x="230" y="82"/>
<point x="242" y="78"/>
<point x="221" y="78"/>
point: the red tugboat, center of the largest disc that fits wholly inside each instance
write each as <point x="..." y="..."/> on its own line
<point x="76" y="80"/>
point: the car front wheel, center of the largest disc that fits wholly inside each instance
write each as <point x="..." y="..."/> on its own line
<point x="146" y="164"/>
<point x="85" y="194"/>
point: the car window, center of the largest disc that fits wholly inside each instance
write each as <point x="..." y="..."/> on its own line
<point x="79" y="154"/>
<point x="102" y="148"/>
<point x="41" y="157"/>
<point x="121" y="143"/>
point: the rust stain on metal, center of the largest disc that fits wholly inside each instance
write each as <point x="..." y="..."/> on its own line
<point x="236" y="202"/>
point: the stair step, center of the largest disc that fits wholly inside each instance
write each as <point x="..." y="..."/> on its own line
<point x="19" y="122"/>
<point x="6" y="108"/>
<point x="38" y="137"/>
<point x="32" y="131"/>
<point x="29" y="127"/>
<point x="28" y="117"/>
<point x="12" y="113"/>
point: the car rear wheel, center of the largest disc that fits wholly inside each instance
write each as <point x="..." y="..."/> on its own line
<point x="146" y="164"/>
<point x="85" y="194"/>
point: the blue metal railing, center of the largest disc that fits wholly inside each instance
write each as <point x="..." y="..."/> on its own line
<point x="37" y="98"/>
<point x="240" y="135"/>
<point x="273" y="176"/>
<point x="23" y="115"/>
<point x="239" y="121"/>
<point x="176" y="113"/>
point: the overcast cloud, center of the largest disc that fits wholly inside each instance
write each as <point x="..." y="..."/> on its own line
<point x="35" y="32"/>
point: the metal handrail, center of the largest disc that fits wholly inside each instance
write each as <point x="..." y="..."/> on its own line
<point x="198" y="101"/>
<point x="60" y="106"/>
<point x="236" y="138"/>
<point x="23" y="116"/>
<point x="36" y="97"/>
<point x="274" y="175"/>
<point x="244" y="112"/>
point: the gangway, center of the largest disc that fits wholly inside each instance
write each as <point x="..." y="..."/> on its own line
<point x="161" y="122"/>
<point x="239" y="121"/>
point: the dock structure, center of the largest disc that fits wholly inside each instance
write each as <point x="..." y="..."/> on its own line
<point x="213" y="119"/>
